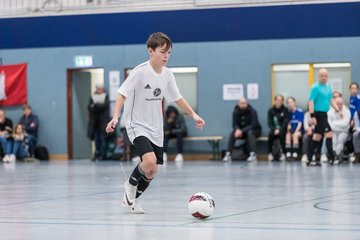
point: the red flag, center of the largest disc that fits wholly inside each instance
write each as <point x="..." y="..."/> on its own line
<point x="13" y="89"/>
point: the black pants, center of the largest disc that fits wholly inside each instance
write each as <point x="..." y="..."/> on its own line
<point x="179" y="141"/>
<point x="250" y="138"/>
<point x="272" y="137"/>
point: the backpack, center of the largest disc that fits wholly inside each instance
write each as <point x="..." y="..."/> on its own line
<point x="276" y="149"/>
<point x="41" y="153"/>
<point x="238" y="154"/>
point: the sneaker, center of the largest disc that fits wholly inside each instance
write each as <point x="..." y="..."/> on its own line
<point x="252" y="157"/>
<point x="282" y="158"/>
<point x="352" y="157"/>
<point x="304" y="158"/>
<point x="165" y="157"/>
<point x="137" y="208"/>
<point x="323" y="158"/>
<point x="288" y="155"/>
<point x="129" y="194"/>
<point x="179" y="158"/>
<point x="295" y="155"/>
<point x="336" y="162"/>
<point x="270" y="157"/>
<point x="227" y="157"/>
<point x="12" y="158"/>
<point x="6" y="158"/>
<point x="315" y="163"/>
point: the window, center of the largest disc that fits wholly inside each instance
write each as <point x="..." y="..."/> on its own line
<point x="296" y="80"/>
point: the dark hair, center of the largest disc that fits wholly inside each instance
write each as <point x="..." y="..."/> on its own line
<point x="279" y="95"/>
<point x="354" y="83"/>
<point x="292" y="98"/>
<point x="158" y="39"/>
<point x="26" y="106"/>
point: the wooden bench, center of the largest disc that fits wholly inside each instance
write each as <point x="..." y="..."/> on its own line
<point x="214" y="141"/>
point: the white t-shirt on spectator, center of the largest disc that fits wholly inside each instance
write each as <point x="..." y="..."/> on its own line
<point x="144" y="91"/>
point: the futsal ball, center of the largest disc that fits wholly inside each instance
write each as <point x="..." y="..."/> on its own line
<point x="201" y="205"/>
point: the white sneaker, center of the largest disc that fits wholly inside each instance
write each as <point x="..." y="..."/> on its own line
<point x="227" y="157"/>
<point x="288" y="155"/>
<point x="252" y="157"/>
<point x="137" y="208"/>
<point x="295" y="155"/>
<point x="129" y="194"/>
<point x="165" y="157"/>
<point x="179" y="158"/>
<point x="304" y="158"/>
<point x="136" y="159"/>
<point x="12" y="158"/>
<point x="270" y="157"/>
<point x="6" y="158"/>
<point x="352" y="157"/>
<point x="323" y="158"/>
<point x="282" y="158"/>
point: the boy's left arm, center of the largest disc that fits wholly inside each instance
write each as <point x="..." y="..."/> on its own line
<point x="189" y="111"/>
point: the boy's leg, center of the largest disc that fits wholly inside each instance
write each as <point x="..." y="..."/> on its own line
<point x="145" y="171"/>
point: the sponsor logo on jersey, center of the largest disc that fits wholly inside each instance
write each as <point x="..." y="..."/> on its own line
<point x="157" y="92"/>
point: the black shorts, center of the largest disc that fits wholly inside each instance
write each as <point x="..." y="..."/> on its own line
<point x="322" y="125"/>
<point x="143" y="145"/>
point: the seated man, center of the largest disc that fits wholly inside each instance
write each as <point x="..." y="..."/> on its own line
<point x="31" y="123"/>
<point x="174" y="127"/>
<point x="340" y="124"/>
<point x="295" y="129"/>
<point x="245" y="126"/>
<point x="6" y="126"/>
<point x="277" y="121"/>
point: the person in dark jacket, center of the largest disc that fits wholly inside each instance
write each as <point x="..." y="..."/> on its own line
<point x="277" y="120"/>
<point x="98" y="108"/>
<point x="31" y="123"/>
<point x="174" y="127"/>
<point x="246" y="127"/>
<point x="6" y="126"/>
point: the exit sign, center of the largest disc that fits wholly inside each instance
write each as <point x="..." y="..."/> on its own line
<point x="83" y="61"/>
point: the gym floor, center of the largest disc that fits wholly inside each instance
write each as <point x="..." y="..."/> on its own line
<point x="81" y="199"/>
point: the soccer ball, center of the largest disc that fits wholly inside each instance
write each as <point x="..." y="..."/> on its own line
<point x="201" y="205"/>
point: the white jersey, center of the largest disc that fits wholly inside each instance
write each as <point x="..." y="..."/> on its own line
<point x="144" y="91"/>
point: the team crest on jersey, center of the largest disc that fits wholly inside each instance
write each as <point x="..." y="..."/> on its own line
<point x="157" y="92"/>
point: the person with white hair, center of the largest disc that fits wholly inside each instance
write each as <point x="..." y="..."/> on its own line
<point x="340" y="127"/>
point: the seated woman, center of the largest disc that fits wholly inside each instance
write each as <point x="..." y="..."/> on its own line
<point x="18" y="146"/>
<point x="295" y="129"/>
<point x="174" y="127"/>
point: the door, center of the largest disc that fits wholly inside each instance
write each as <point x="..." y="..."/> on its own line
<point x="81" y="93"/>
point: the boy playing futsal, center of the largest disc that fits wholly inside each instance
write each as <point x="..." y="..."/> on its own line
<point x="141" y="95"/>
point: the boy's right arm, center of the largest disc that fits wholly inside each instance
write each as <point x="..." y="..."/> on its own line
<point x="118" y="106"/>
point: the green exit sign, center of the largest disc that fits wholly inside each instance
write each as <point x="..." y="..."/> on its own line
<point x="83" y="61"/>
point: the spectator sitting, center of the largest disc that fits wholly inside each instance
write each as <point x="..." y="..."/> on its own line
<point x="340" y="124"/>
<point x="18" y="147"/>
<point x="356" y="137"/>
<point x="99" y="115"/>
<point x="6" y="126"/>
<point x="277" y="121"/>
<point x="174" y="127"/>
<point x="308" y="132"/>
<point x="354" y="105"/>
<point x="245" y="126"/>
<point x="31" y="123"/>
<point x="294" y="130"/>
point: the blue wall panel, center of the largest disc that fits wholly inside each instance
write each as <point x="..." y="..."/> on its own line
<point x="227" y="24"/>
<point x="218" y="62"/>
